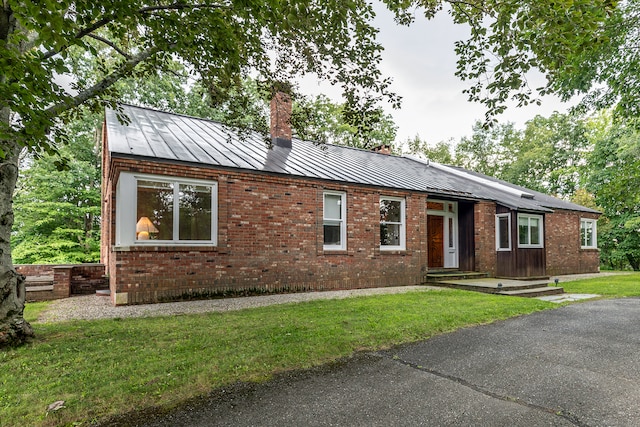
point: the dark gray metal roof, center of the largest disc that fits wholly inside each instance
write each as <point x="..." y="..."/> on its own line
<point x="506" y="197"/>
<point x="172" y="137"/>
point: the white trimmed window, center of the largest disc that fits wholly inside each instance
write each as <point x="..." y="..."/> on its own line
<point x="161" y="210"/>
<point x="334" y="220"/>
<point x="503" y="232"/>
<point x="530" y="231"/>
<point x="392" y="223"/>
<point x="588" y="233"/>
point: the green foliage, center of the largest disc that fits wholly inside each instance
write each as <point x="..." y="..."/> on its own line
<point x="547" y="156"/>
<point x="222" y="43"/>
<point x="486" y="151"/>
<point x="614" y="177"/>
<point x="321" y="120"/>
<point x="440" y="152"/>
<point x="151" y="362"/>
<point x="510" y="38"/>
<point x="57" y="212"/>
<point x="608" y="71"/>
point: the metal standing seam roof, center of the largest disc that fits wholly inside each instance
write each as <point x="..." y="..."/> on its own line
<point x="165" y="136"/>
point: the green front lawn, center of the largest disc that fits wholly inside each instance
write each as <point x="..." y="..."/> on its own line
<point x="623" y="285"/>
<point x="106" y="367"/>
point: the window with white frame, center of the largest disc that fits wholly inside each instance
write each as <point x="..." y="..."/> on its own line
<point x="588" y="233"/>
<point x="165" y="210"/>
<point x="530" y="231"/>
<point x="392" y="223"/>
<point x="334" y="220"/>
<point x="503" y="232"/>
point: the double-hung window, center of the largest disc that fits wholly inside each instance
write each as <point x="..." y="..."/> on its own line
<point x="503" y="232"/>
<point x="588" y="233"/>
<point x="165" y="210"/>
<point x="530" y="231"/>
<point x="334" y="221"/>
<point x="392" y="223"/>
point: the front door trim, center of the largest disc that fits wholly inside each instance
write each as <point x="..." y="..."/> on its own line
<point x="450" y="241"/>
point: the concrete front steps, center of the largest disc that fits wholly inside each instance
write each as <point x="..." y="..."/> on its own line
<point x="479" y="282"/>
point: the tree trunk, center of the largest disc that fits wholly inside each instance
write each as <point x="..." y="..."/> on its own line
<point x="634" y="261"/>
<point x="14" y="330"/>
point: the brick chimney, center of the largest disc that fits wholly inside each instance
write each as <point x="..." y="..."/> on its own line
<point x="281" y="119"/>
<point x="382" y="149"/>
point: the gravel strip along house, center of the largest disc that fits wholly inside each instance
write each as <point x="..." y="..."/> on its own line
<point x="193" y="209"/>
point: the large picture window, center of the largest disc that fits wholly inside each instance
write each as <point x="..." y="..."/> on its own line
<point x="392" y="223"/>
<point x="334" y="221"/>
<point x="588" y="233"/>
<point x="165" y="210"/>
<point x="503" y="232"/>
<point x="530" y="231"/>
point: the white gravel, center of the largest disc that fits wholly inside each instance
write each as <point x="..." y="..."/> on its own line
<point x="89" y="307"/>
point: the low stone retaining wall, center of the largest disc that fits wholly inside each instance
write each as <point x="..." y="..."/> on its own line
<point x="45" y="281"/>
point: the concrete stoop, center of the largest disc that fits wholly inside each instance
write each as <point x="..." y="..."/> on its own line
<point x="449" y="275"/>
<point x="510" y="287"/>
<point x="535" y="292"/>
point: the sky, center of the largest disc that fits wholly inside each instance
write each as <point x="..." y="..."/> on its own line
<point x="421" y="61"/>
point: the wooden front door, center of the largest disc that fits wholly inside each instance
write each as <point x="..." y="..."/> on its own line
<point x="435" y="241"/>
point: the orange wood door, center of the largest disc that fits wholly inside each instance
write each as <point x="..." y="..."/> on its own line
<point x="435" y="241"/>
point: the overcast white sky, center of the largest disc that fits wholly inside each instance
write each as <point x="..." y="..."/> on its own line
<point x="422" y="62"/>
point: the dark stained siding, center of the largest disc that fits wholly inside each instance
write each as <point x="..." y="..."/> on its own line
<point x="502" y="209"/>
<point x="530" y="262"/>
<point x="466" y="236"/>
<point x="520" y="262"/>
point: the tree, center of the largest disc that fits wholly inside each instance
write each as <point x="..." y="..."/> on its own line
<point x="57" y="212"/>
<point x="486" y="150"/>
<point x="440" y="152"/>
<point x="608" y="71"/>
<point x="566" y="40"/>
<point x="549" y="155"/>
<point x="614" y="176"/>
<point x="225" y="41"/>
<point x="319" y="119"/>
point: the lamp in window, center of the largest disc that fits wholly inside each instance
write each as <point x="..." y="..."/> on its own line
<point x="144" y="227"/>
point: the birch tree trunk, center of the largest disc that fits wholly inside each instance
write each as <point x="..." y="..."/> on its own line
<point x="14" y="329"/>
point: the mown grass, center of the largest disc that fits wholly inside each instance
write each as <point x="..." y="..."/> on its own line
<point x="105" y="367"/>
<point x="623" y="285"/>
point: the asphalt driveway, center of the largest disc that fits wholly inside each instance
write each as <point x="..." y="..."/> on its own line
<point x="577" y="365"/>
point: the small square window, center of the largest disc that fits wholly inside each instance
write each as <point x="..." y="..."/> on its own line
<point x="588" y="233"/>
<point x="530" y="231"/>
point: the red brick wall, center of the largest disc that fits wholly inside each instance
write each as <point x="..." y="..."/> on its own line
<point x="269" y="239"/>
<point x="564" y="255"/>
<point x="71" y="279"/>
<point x="34" y="269"/>
<point x="485" y="240"/>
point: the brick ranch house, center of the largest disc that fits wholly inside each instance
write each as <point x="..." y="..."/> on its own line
<point x="192" y="209"/>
